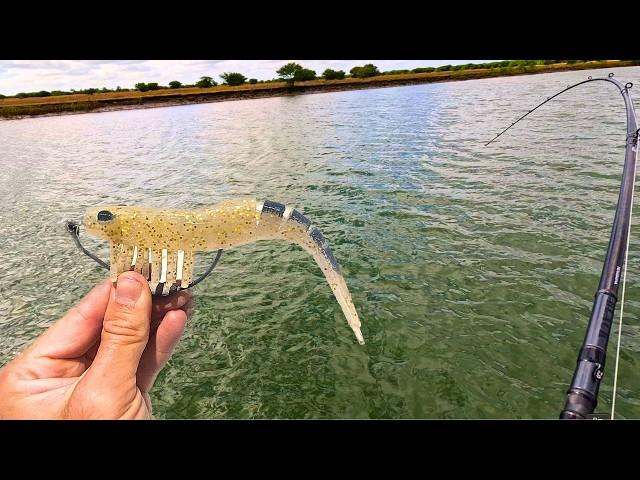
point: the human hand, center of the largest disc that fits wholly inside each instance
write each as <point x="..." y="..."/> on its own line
<point x="101" y="359"/>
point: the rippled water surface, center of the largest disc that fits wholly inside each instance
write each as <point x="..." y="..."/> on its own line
<point x="473" y="268"/>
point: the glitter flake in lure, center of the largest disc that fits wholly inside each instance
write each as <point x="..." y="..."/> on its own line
<point x="160" y="243"/>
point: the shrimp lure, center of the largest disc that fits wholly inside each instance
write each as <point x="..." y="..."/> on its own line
<point x="160" y="243"/>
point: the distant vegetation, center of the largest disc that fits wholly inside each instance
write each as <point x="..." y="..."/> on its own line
<point x="330" y="74"/>
<point x="294" y="72"/>
<point x="368" y="70"/>
<point x="420" y="70"/>
<point x="205" y="82"/>
<point x="233" y="79"/>
<point x="145" y="87"/>
<point x="287" y="72"/>
<point x="56" y="93"/>
<point x="304" y="74"/>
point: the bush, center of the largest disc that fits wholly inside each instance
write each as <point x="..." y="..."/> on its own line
<point x="253" y="81"/>
<point x="396" y="72"/>
<point x="304" y="74"/>
<point x="205" y="82"/>
<point x="368" y="70"/>
<point x="443" y="68"/>
<point x="233" y="79"/>
<point x="330" y="74"/>
<point x="153" y="86"/>
<point x="42" y="93"/>
<point x="423" y="70"/>
<point x="175" y="84"/>
<point x="3" y="96"/>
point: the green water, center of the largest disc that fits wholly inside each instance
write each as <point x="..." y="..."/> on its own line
<point x="473" y="268"/>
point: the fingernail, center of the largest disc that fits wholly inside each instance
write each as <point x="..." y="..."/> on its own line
<point x="128" y="291"/>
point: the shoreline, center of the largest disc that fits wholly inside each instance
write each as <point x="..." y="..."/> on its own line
<point x="16" y="109"/>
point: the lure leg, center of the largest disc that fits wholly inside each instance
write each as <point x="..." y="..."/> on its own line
<point x="187" y="269"/>
<point x="155" y="264"/>
<point x="141" y="261"/>
<point x="113" y="261"/>
<point x="128" y="259"/>
<point x="171" y="272"/>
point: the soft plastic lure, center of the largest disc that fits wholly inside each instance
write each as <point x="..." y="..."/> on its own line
<point x="160" y="243"/>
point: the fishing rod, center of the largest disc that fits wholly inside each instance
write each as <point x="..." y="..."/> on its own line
<point x="582" y="396"/>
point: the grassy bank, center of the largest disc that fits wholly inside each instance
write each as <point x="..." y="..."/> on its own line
<point x="32" y="106"/>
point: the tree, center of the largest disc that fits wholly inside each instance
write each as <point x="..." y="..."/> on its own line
<point x="443" y="68"/>
<point x="205" y="82"/>
<point x="152" y="86"/>
<point x="304" y="74"/>
<point x="368" y="70"/>
<point x="174" y="84"/>
<point x="287" y="72"/>
<point x="233" y="79"/>
<point x="330" y="74"/>
<point x="253" y="81"/>
<point x="3" y="96"/>
<point x="141" y="86"/>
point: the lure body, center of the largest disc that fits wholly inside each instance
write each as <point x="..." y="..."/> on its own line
<point x="160" y="243"/>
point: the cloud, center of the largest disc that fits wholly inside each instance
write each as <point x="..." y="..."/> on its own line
<point x="34" y="75"/>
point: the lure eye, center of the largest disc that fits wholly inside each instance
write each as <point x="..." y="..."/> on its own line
<point x="105" y="216"/>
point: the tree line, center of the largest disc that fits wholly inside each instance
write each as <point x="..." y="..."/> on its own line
<point x="294" y="72"/>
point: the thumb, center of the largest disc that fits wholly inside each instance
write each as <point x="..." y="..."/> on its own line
<point x="125" y="332"/>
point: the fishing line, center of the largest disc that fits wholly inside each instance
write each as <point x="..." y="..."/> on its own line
<point x="624" y="284"/>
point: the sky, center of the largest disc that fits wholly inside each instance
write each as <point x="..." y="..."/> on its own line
<point x="35" y="75"/>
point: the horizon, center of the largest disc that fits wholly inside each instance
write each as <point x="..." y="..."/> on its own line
<point x="21" y="76"/>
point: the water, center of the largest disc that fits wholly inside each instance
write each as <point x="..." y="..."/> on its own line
<point x="473" y="268"/>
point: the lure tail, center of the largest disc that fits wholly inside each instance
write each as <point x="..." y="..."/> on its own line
<point x="279" y="221"/>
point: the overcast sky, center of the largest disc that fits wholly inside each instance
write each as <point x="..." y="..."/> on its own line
<point x="34" y="75"/>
